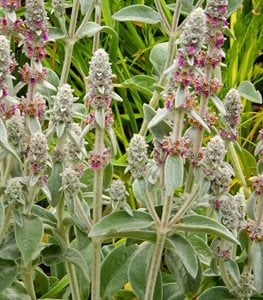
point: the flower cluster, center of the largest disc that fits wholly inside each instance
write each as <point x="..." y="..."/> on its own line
<point x="257" y="184"/>
<point x="178" y="147"/>
<point x="202" y="87"/>
<point x="222" y="253"/>
<point x="118" y="192"/>
<point x="13" y="191"/>
<point x="137" y="156"/>
<point x="159" y="155"/>
<point x="70" y="182"/>
<point x="97" y="161"/>
<point x="15" y="129"/>
<point x="32" y="76"/>
<point x="63" y="105"/>
<point x="35" y="108"/>
<point x="36" y="29"/>
<point x="254" y="232"/>
<point x="233" y="108"/>
<point x="4" y="65"/>
<point x="58" y="7"/>
<point x="108" y="115"/>
<point x="72" y="152"/>
<point x="188" y="102"/>
<point x="245" y="287"/>
<point x="230" y="214"/>
<point x="214" y="153"/>
<point x="10" y="4"/>
<point x="193" y="35"/>
<point x="219" y="185"/>
<point x="38" y="156"/>
<point x="100" y="80"/>
<point x="210" y="118"/>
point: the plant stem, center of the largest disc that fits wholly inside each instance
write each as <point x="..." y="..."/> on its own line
<point x="73" y="281"/>
<point x="151" y="208"/>
<point x="97" y="213"/>
<point x="170" y="56"/>
<point x="236" y="165"/>
<point x="7" y="218"/>
<point x="32" y="193"/>
<point x="160" y="10"/>
<point x="96" y="38"/>
<point x="223" y="269"/>
<point x="185" y="206"/>
<point x="259" y="211"/>
<point x="158" y="248"/>
<point x="82" y="214"/>
<point x="84" y="21"/>
<point x="70" y="42"/>
<point x="70" y="267"/>
<point x="28" y="280"/>
<point x="67" y="61"/>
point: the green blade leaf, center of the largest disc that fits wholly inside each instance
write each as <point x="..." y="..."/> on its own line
<point x="257" y="258"/>
<point x="218" y="293"/>
<point x="247" y="90"/>
<point x="89" y="29"/>
<point x="187" y="283"/>
<point x="138" y="13"/>
<point x="28" y="236"/>
<point x="15" y="292"/>
<point x="159" y="130"/>
<point x="198" y="223"/>
<point x="114" y="270"/>
<point x="139" y="269"/>
<point x="121" y="222"/>
<point x="186" y="253"/>
<point x="157" y="57"/>
<point x="8" y="273"/>
<point x="141" y="83"/>
<point x="55" y="34"/>
<point x="219" y="104"/>
<point x="55" y="182"/>
<point x="174" y="173"/>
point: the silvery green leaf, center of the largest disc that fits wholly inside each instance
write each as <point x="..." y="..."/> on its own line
<point x="113" y="139"/>
<point x="86" y="5"/>
<point x="139" y="189"/>
<point x="219" y="104"/>
<point x="76" y="140"/>
<point x="48" y="85"/>
<point x="126" y="207"/>
<point x="180" y="96"/>
<point x="260" y="167"/>
<point x="8" y="148"/>
<point x="11" y="99"/>
<point x="11" y="14"/>
<point x="33" y="124"/>
<point x="60" y="129"/>
<point x="257" y="258"/>
<point x="100" y="118"/>
<point x="116" y="97"/>
<point x="196" y="116"/>
<point x="85" y="131"/>
<point x="233" y="269"/>
<point x="159" y="130"/>
<point x="138" y="13"/>
<point x="55" y="33"/>
<point x="161" y="114"/>
<point x="251" y="205"/>
<point x="33" y="180"/>
<point x="46" y="191"/>
<point x="9" y="271"/>
<point x="28" y="236"/>
<point x="173" y="173"/>
<point x="3" y="134"/>
<point x="247" y="90"/>
<point x="157" y="57"/>
<point x="38" y="65"/>
<point x="190" y="60"/>
<point x="2" y="213"/>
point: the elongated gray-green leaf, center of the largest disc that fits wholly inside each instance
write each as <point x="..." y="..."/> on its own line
<point x="114" y="270"/>
<point x="28" y="236"/>
<point x="174" y="173"/>
<point x="257" y="259"/>
<point x="119" y="222"/>
<point x="138" y="13"/>
<point x="139" y="270"/>
<point x="198" y="223"/>
<point x="247" y="90"/>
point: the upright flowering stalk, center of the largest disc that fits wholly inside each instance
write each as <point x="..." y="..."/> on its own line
<point x="4" y="66"/>
<point x="99" y="96"/>
<point x="34" y="47"/>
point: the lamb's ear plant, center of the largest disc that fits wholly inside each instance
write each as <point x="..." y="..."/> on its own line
<point x="138" y="185"/>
